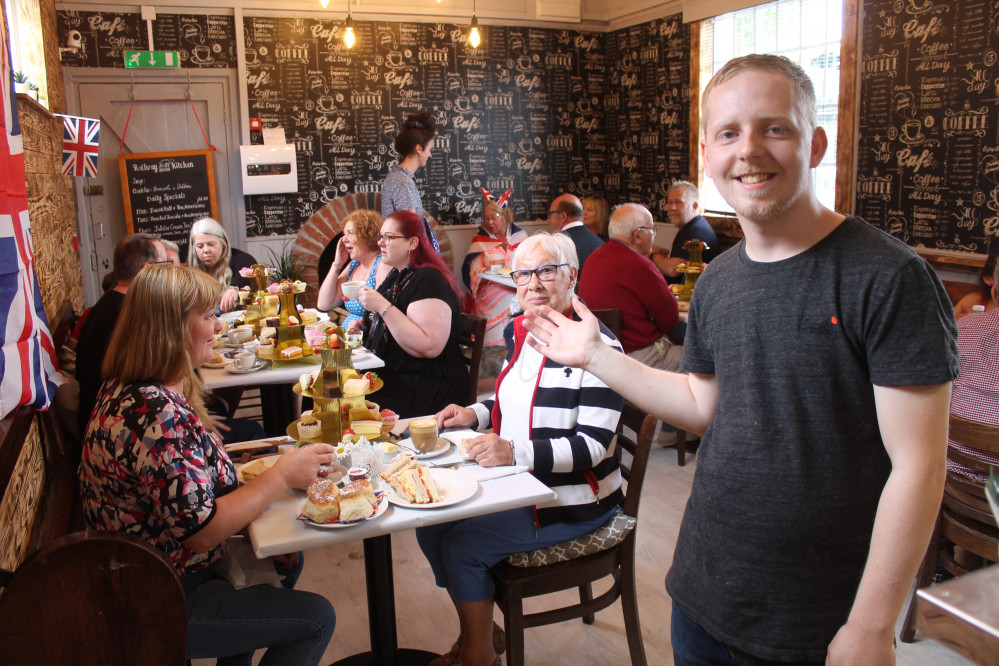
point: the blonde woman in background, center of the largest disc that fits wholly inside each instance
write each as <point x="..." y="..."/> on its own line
<point x="596" y="215"/>
<point x="210" y="251"/>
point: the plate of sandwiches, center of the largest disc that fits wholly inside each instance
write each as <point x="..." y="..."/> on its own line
<point x="414" y="486"/>
<point x="328" y="506"/>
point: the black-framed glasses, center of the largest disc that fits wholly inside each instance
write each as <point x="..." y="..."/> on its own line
<point x="388" y="238"/>
<point x="545" y="273"/>
<point x="556" y="212"/>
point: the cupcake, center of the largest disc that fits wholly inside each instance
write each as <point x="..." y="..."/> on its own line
<point x="309" y="427"/>
<point x="266" y="346"/>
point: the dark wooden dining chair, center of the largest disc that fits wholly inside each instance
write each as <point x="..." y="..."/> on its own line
<point x="94" y="597"/>
<point x="965" y="519"/>
<point x="471" y="336"/>
<point x="611" y="318"/>
<point x="514" y="584"/>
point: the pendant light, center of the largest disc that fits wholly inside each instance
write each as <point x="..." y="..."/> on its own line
<point x="348" y="29"/>
<point x="474" y="38"/>
<point x="324" y="3"/>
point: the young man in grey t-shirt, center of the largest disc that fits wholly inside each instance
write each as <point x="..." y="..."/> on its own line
<point x="821" y="353"/>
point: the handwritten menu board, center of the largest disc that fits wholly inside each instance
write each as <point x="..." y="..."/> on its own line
<point x="165" y="192"/>
<point x="203" y="41"/>
<point x="928" y="154"/>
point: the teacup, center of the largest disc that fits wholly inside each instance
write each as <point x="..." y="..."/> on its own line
<point x="423" y="432"/>
<point x="244" y="360"/>
<point x="352" y="289"/>
<point x="238" y="336"/>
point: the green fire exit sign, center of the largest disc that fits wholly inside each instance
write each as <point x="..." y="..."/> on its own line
<point x="152" y="59"/>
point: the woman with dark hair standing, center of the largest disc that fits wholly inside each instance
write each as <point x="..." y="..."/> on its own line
<point x="414" y="144"/>
<point x="412" y="322"/>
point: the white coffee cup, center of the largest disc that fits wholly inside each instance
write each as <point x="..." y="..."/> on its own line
<point x="245" y="360"/>
<point x="352" y="289"/>
<point x="238" y="336"/>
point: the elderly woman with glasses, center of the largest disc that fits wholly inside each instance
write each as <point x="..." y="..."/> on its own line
<point x="492" y="249"/>
<point x="412" y="321"/>
<point x="556" y="420"/>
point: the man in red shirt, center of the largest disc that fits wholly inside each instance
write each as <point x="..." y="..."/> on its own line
<point x="619" y="275"/>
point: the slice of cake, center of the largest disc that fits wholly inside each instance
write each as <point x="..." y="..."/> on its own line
<point x="293" y="351"/>
<point x="356" y="387"/>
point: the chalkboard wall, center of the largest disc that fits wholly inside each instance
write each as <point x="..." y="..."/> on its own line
<point x="540" y="110"/>
<point x="928" y="154"/>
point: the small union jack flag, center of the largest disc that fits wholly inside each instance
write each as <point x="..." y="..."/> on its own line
<point x="79" y="146"/>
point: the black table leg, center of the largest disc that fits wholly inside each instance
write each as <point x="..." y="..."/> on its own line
<point x="381" y="612"/>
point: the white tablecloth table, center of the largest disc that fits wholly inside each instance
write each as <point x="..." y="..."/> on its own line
<point x="277" y="530"/>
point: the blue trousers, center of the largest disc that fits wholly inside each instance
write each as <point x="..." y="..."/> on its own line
<point x="462" y="552"/>
<point x="231" y="624"/>
<point x="693" y="646"/>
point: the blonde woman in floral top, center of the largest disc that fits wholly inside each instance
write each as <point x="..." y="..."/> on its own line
<point x="153" y="466"/>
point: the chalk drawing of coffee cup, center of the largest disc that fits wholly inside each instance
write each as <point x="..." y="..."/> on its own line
<point x="465" y="189"/>
<point x="202" y="54"/>
<point x="525" y="147"/>
<point x="326" y="103"/>
<point x="912" y="131"/>
<point x="462" y="104"/>
<point x="330" y="193"/>
<point x="583" y="106"/>
<point x="394" y="59"/>
<point x="525" y="64"/>
<point x="251" y="56"/>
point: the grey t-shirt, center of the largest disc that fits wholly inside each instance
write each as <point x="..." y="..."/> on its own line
<point x="778" y="525"/>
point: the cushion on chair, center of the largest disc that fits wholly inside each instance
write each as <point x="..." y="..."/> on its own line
<point x="606" y="536"/>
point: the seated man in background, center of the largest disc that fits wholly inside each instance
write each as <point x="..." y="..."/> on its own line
<point x="131" y="254"/>
<point x="172" y="251"/>
<point x="976" y="390"/>
<point x="620" y="276"/>
<point x="684" y="212"/>
<point x="566" y="216"/>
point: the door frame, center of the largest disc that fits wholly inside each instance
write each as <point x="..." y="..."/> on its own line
<point x="232" y="211"/>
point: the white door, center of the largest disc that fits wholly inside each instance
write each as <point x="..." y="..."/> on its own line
<point x="144" y="103"/>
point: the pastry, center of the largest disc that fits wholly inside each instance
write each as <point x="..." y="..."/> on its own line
<point x="291" y="352"/>
<point x="353" y="387"/>
<point x="266" y="346"/>
<point x="308" y="380"/>
<point x="252" y="470"/>
<point x="322" y="503"/>
<point x="309" y="427"/>
<point x="268" y="332"/>
<point x="370" y="429"/>
<point x="293" y="320"/>
<point x="309" y="317"/>
<point x="332" y="391"/>
<point x="357" y="501"/>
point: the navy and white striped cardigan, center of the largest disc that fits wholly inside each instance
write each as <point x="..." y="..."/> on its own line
<point x="573" y="419"/>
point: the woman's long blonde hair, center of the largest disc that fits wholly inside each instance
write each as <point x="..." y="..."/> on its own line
<point x="222" y="272"/>
<point x="152" y="341"/>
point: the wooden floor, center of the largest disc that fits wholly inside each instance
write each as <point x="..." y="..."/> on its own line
<point x="426" y="618"/>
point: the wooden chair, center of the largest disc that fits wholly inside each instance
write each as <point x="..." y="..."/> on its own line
<point x="93" y="597"/>
<point x="514" y="584"/>
<point x="611" y="318"/>
<point x="471" y="335"/>
<point x="965" y="519"/>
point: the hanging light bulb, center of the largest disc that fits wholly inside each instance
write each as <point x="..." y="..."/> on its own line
<point x="324" y="3"/>
<point x="348" y="30"/>
<point x="348" y="33"/>
<point x="474" y="38"/>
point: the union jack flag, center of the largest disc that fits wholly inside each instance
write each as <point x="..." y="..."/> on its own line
<point x="28" y="373"/>
<point x="80" y="141"/>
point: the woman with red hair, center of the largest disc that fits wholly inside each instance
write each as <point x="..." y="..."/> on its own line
<point x="412" y="322"/>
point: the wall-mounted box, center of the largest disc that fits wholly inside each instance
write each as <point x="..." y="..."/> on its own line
<point x="269" y="169"/>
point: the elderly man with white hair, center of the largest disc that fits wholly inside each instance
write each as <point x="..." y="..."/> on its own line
<point x="620" y="275"/>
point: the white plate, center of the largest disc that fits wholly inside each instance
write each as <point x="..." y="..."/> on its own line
<point x="269" y="460"/>
<point x="443" y="446"/>
<point x="259" y="365"/>
<point x="231" y="316"/>
<point x="380" y="508"/>
<point x="453" y="485"/>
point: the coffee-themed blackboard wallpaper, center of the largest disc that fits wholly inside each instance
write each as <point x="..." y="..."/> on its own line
<point x="928" y="154"/>
<point x="540" y="110"/>
<point x="201" y="40"/>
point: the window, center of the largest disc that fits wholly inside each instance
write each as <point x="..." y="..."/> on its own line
<point x="27" y="53"/>
<point x="806" y="31"/>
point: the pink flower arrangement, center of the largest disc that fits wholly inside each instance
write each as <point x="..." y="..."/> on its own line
<point x="274" y="288"/>
<point x="246" y="271"/>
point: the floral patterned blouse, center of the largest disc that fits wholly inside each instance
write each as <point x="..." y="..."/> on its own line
<point x="152" y="469"/>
